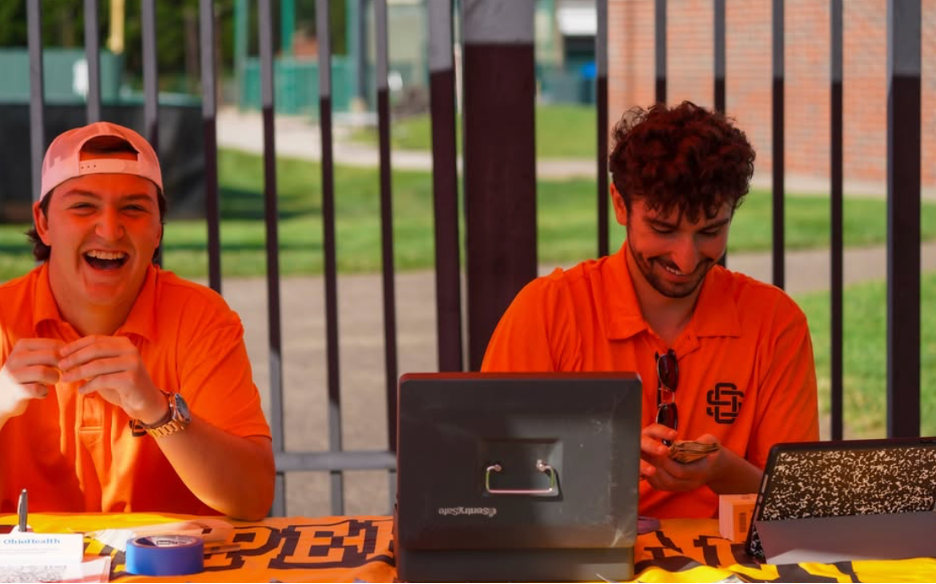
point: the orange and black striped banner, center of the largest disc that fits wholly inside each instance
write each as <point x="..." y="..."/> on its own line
<point x="360" y="549"/>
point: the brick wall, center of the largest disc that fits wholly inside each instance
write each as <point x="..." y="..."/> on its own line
<point x="690" y="70"/>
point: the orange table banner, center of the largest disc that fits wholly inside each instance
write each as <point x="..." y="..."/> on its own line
<point x="360" y="549"/>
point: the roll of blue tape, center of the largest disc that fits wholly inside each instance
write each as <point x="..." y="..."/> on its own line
<point x="165" y="555"/>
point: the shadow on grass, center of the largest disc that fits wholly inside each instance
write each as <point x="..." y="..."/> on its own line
<point x="227" y="246"/>
<point x="249" y="205"/>
<point x="16" y="248"/>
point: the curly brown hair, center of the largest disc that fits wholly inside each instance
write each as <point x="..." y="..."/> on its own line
<point x="685" y="157"/>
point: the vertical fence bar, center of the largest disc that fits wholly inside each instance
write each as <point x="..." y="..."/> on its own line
<point x="445" y="185"/>
<point x="241" y="41"/>
<point x="93" y="58"/>
<point x="386" y="231"/>
<point x="659" y="40"/>
<point x="150" y="85"/>
<point x="386" y="218"/>
<point x="778" y="145"/>
<point x="354" y="34"/>
<point x="836" y="275"/>
<point x="719" y="70"/>
<point x="719" y="50"/>
<point x="210" y="131"/>
<point x="331" y="265"/>
<point x="500" y="160"/>
<point x="36" y="94"/>
<point x="601" y="100"/>
<point x="903" y="216"/>
<point x="150" y="73"/>
<point x="265" y="19"/>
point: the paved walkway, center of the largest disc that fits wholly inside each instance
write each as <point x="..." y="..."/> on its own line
<point x="296" y="137"/>
<point x="361" y="325"/>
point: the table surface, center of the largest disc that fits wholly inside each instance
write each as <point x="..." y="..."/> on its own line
<point x="355" y="549"/>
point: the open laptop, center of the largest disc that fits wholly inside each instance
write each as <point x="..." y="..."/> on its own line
<point x="513" y="477"/>
<point x="847" y="500"/>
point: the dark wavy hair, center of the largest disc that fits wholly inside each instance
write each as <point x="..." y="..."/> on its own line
<point x="686" y="157"/>
<point x="41" y="251"/>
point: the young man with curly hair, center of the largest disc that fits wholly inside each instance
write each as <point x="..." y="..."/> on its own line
<point x="724" y="359"/>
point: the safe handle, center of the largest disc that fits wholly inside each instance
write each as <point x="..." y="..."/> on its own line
<point x="552" y="491"/>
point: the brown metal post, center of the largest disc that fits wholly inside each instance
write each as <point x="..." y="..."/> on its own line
<point x="500" y="160"/>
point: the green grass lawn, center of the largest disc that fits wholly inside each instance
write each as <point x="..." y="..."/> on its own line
<point x="562" y="131"/>
<point x="566" y="221"/>
<point x="865" y="355"/>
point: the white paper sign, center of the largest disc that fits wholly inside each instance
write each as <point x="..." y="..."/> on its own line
<point x="30" y="549"/>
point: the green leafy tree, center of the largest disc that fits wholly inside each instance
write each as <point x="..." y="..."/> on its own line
<point x="62" y="23"/>
<point x="177" y="32"/>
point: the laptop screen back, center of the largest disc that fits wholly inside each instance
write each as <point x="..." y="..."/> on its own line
<point x="813" y="480"/>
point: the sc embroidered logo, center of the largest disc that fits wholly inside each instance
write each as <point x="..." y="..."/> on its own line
<point x="724" y="402"/>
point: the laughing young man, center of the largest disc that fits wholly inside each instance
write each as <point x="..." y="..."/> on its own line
<point x="122" y="387"/>
<point x="724" y="358"/>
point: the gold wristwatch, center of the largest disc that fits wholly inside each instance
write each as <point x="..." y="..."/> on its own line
<point x="176" y="419"/>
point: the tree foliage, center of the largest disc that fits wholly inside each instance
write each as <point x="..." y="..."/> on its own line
<point x="176" y="30"/>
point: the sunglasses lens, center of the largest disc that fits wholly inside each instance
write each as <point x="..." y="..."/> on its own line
<point x="666" y="415"/>
<point x="668" y="370"/>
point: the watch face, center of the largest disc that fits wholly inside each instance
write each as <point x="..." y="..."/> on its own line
<point x="182" y="408"/>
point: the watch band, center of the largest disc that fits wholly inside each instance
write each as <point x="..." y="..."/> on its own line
<point x="170" y="427"/>
<point x="175" y="420"/>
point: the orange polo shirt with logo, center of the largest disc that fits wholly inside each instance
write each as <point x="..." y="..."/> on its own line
<point x="746" y="371"/>
<point x="76" y="453"/>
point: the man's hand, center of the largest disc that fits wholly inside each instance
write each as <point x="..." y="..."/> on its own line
<point x="27" y="374"/>
<point x="115" y="370"/>
<point x="664" y="473"/>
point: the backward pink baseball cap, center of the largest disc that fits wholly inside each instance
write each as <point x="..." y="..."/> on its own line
<point x="63" y="158"/>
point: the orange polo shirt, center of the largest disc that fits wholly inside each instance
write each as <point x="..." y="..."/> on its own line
<point x="76" y="453"/>
<point x="746" y="371"/>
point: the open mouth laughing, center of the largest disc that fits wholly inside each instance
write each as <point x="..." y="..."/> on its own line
<point x="106" y="260"/>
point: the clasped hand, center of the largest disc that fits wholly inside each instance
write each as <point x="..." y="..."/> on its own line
<point x="111" y="366"/>
<point x="665" y="474"/>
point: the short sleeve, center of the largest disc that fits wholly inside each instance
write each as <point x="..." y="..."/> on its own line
<point x="788" y="408"/>
<point x="537" y="333"/>
<point x="215" y="375"/>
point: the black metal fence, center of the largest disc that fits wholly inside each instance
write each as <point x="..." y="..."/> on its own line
<point x="500" y="187"/>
